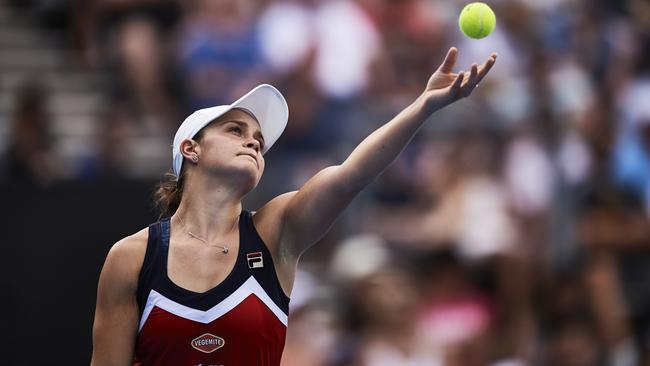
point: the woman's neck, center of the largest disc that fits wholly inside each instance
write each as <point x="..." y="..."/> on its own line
<point x="208" y="210"/>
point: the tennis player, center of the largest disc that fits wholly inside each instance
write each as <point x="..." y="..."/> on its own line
<point x="209" y="283"/>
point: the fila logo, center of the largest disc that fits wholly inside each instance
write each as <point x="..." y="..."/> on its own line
<point x="207" y="343"/>
<point x="255" y="260"/>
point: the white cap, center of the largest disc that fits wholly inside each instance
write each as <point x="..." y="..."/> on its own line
<point x="265" y="102"/>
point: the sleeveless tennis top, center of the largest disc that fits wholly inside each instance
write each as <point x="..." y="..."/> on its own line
<point x="241" y="321"/>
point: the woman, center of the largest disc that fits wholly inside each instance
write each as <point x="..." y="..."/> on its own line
<point x="210" y="283"/>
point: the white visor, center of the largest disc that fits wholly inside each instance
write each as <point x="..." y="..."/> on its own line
<point x="265" y="102"/>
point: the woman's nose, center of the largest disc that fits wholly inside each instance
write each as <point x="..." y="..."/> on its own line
<point x="253" y="143"/>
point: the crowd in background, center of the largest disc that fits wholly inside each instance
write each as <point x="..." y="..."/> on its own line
<point x="514" y="229"/>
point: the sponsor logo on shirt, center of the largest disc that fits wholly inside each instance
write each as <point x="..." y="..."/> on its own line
<point x="255" y="260"/>
<point x="207" y="343"/>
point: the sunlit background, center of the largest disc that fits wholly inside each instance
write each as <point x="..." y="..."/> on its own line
<point x="514" y="229"/>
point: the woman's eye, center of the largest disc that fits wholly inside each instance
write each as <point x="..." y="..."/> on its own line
<point x="236" y="130"/>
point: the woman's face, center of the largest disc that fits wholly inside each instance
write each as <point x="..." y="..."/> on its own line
<point x="231" y="147"/>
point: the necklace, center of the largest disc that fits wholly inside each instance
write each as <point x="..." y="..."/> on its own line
<point x="224" y="248"/>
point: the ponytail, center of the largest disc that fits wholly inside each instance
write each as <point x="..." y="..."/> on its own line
<point x="168" y="194"/>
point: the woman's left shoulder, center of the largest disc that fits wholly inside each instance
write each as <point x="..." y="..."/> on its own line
<point x="269" y="219"/>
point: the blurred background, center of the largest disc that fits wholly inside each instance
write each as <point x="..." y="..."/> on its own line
<point x="514" y="229"/>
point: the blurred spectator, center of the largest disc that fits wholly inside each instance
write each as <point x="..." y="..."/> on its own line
<point x="346" y="45"/>
<point x="219" y="52"/>
<point x="30" y="158"/>
<point x="287" y="34"/>
<point x="460" y="189"/>
<point x="632" y="152"/>
<point x="113" y="155"/>
<point x="337" y="38"/>
<point x="457" y="316"/>
<point x="380" y="304"/>
<point x="573" y="336"/>
<point x="611" y="227"/>
<point x="414" y="37"/>
<point x="529" y="175"/>
<point x="583" y="317"/>
<point x="133" y="38"/>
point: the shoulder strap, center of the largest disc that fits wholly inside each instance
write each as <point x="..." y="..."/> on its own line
<point x="259" y="262"/>
<point x="151" y="265"/>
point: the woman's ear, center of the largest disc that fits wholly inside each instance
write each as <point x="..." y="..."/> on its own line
<point x="191" y="150"/>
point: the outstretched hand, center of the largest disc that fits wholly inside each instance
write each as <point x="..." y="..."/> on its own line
<point x="445" y="86"/>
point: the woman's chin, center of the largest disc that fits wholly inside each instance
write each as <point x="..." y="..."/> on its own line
<point x="247" y="176"/>
<point x="242" y="176"/>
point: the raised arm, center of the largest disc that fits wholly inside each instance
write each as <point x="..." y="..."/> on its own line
<point x="308" y="213"/>
<point x="381" y="148"/>
<point x="116" y="314"/>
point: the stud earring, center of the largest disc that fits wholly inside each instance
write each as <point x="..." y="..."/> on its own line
<point x="195" y="158"/>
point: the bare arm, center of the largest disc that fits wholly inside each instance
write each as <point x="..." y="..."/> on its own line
<point x="293" y="222"/>
<point x="308" y="213"/>
<point x="116" y="314"/>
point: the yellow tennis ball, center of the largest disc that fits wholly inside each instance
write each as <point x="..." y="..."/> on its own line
<point x="477" y="20"/>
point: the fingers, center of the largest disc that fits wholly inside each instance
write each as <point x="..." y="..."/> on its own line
<point x="463" y="85"/>
<point x="455" y="87"/>
<point x="487" y="65"/>
<point x="476" y="75"/>
<point x="450" y="60"/>
<point x="468" y="86"/>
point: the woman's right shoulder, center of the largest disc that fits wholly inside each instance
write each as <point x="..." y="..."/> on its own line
<point x="128" y="253"/>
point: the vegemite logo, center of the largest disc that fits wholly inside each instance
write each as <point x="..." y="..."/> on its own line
<point x="255" y="260"/>
<point x="207" y="343"/>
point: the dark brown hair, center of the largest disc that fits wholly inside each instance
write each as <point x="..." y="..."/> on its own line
<point x="168" y="194"/>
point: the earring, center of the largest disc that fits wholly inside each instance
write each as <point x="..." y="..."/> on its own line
<point x="195" y="158"/>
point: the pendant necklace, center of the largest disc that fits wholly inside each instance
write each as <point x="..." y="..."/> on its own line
<point x="224" y="248"/>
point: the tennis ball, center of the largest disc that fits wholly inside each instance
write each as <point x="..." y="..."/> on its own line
<point x="477" y="20"/>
